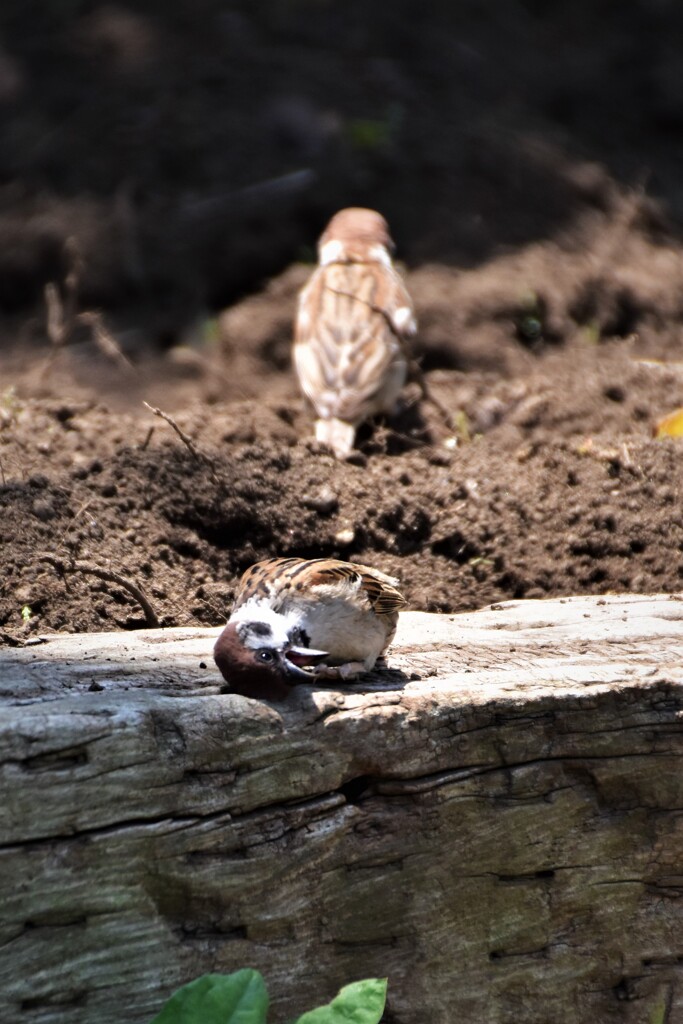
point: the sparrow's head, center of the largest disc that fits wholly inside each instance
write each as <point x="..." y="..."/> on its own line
<point x="356" y="235"/>
<point x="262" y="658"/>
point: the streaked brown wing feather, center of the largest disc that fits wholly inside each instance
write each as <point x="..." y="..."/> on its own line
<point x="384" y="597"/>
<point x="379" y="589"/>
<point x="276" y="578"/>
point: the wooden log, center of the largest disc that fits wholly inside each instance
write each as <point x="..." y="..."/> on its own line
<point x="496" y="823"/>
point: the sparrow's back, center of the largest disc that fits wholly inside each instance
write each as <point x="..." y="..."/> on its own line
<point x="353" y="317"/>
<point x="349" y="359"/>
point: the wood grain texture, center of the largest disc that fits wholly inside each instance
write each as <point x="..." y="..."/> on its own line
<point x="502" y="837"/>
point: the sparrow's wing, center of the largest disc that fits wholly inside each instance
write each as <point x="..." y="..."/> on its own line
<point x="379" y="589"/>
<point x="278" y="579"/>
<point x="350" y="327"/>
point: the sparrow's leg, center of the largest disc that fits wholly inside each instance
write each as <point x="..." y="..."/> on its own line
<point x="350" y="670"/>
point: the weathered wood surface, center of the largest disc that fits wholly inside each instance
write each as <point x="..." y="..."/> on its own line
<point x="502" y="837"/>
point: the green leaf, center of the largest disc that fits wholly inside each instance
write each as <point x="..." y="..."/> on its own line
<point x="239" y="998"/>
<point x="658" y="1012"/>
<point x="362" y="1002"/>
<point x="369" y="134"/>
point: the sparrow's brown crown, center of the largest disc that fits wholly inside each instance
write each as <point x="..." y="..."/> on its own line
<point x="358" y="230"/>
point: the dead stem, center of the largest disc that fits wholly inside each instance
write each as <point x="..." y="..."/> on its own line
<point x="187" y="441"/>
<point x="109" y="576"/>
<point x="61" y="317"/>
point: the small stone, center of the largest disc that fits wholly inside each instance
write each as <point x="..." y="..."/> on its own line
<point x="346" y="536"/>
<point x="435" y="457"/>
<point x="43" y="508"/>
<point x="615" y="393"/>
<point x="356" y="458"/>
<point x="64" y="413"/>
<point x="325" y="501"/>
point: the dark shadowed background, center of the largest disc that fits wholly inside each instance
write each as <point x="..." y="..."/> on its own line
<point x="194" y="148"/>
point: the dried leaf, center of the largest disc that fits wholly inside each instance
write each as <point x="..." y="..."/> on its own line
<point x="671" y="425"/>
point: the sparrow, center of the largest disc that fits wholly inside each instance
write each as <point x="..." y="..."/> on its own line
<point x="354" y="316"/>
<point x="295" y="620"/>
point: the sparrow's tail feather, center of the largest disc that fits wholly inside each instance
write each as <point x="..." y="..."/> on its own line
<point x="337" y="435"/>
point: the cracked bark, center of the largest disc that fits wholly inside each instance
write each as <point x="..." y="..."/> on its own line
<point x="502" y="837"/>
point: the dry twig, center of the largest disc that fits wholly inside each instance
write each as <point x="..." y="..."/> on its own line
<point x="148" y="438"/>
<point x="105" y="341"/>
<point x="187" y="441"/>
<point x="9" y="640"/>
<point x="109" y="576"/>
<point x="62" y="318"/>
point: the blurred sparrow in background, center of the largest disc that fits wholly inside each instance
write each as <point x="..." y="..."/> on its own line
<point x="334" y="618"/>
<point x="353" y="318"/>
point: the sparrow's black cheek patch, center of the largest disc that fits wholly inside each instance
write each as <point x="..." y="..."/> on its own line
<point x="260" y="629"/>
<point x="299" y="637"/>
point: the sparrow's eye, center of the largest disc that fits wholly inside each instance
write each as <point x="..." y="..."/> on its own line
<point x="265" y="655"/>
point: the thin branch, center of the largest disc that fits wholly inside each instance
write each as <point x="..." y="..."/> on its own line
<point x="414" y="369"/>
<point x="54" y="314"/>
<point x="105" y="341"/>
<point x="72" y="281"/>
<point x="71" y="523"/>
<point x="11" y="641"/>
<point x="61" y="317"/>
<point x="282" y="187"/>
<point x="148" y="438"/>
<point x="109" y="576"/>
<point x="187" y="441"/>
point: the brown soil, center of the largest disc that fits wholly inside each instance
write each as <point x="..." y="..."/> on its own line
<point x="556" y="485"/>
<point x="549" y="295"/>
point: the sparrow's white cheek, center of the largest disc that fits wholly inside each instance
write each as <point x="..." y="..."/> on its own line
<point x="403" y="318"/>
<point x="330" y="252"/>
<point x="304" y="318"/>
<point x="380" y="254"/>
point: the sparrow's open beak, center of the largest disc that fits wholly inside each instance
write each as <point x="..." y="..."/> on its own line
<point x="296" y="659"/>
